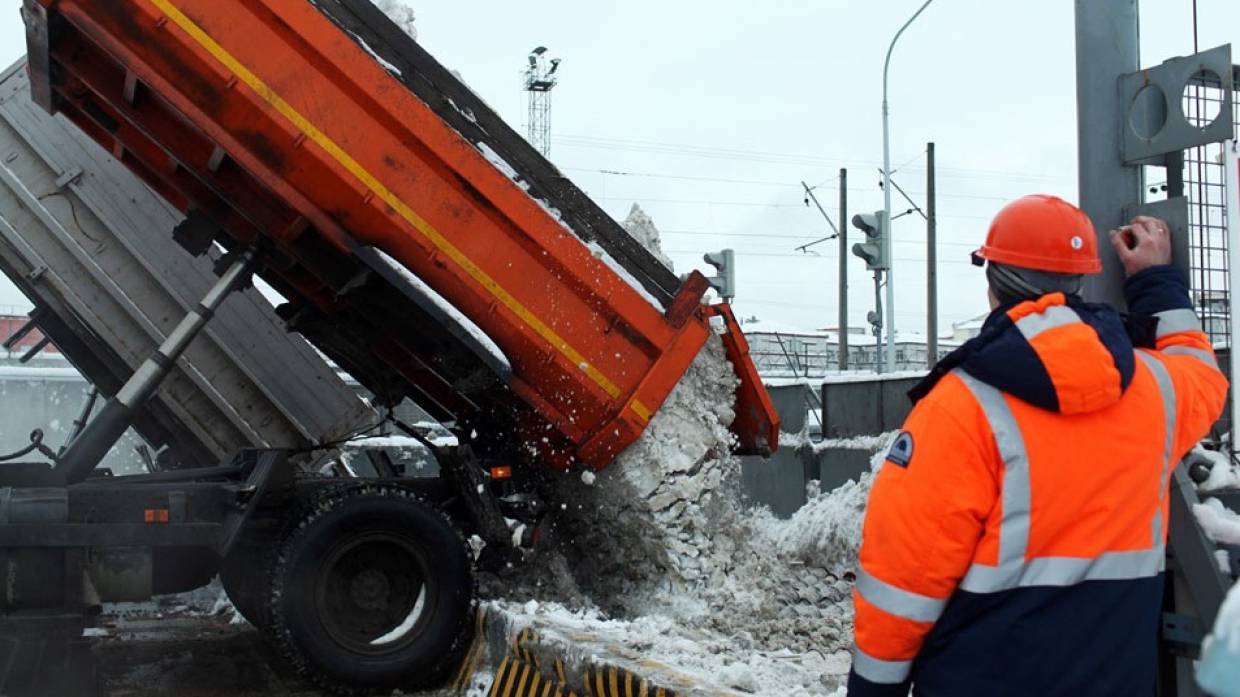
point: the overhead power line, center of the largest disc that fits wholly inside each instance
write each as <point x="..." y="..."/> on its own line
<point x="782" y="185"/>
<point x="742" y="155"/>
<point x="785" y="255"/>
<point x="757" y="204"/>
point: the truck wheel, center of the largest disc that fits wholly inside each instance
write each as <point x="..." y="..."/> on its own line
<point x="243" y="575"/>
<point x="373" y="590"/>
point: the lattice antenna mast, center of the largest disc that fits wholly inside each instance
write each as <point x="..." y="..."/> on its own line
<point x="539" y="80"/>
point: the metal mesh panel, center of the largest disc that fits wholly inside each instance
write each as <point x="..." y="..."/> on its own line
<point x="1204" y="185"/>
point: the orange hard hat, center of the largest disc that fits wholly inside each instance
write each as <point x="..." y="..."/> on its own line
<point x="1045" y="233"/>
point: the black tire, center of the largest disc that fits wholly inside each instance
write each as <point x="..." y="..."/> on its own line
<point x="244" y="575"/>
<point x="372" y="591"/>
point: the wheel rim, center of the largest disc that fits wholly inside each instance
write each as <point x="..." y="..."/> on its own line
<point x="371" y="595"/>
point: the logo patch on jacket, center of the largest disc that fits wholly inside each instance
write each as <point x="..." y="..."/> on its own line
<point x="901" y="450"/>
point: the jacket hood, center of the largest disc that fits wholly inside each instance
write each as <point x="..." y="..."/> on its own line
<point x="1057" y="352"/>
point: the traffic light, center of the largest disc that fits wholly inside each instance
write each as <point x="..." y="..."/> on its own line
<point x="876" y="249"/>
<point x="725" y="265"/>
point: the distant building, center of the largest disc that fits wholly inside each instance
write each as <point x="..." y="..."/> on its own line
<point x="10" y="324"/>
<point x="969" y="328"/>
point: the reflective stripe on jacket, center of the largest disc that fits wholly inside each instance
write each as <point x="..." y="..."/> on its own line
<point x="1014" y="539"/>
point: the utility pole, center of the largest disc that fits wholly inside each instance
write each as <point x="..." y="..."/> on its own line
<point x="843" y="340"/>
<point x="932" y="281"/>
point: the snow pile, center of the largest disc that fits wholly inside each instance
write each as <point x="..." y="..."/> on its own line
<point x="826" y="532"/>
<point x="1219" y="672"/>
<point x="701" y="657"/>
<point x="646" y="523"/>
<point x="661" y="536"/>
<point x="641" y="228"/>
<point x="401" y="14"/>
<point x="1223" y="472"/>
<point x="1220" y="523"/>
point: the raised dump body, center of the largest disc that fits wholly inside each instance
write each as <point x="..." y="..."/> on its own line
<point x="93" y="249"/>
<point x="422" y="244"/>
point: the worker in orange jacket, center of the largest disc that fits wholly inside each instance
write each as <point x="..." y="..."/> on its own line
<point x="1014" y="540"/>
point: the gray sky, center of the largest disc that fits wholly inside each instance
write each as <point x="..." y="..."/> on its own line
<point x="715" y="110"/>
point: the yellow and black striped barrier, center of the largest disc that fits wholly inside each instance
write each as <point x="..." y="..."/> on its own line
<point x="524" y="671"/>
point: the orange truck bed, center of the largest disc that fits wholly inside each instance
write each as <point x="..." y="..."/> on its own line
<point x="371" y="181"/>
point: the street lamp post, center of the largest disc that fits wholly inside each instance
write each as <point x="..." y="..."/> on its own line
<point x="891" y="295"/>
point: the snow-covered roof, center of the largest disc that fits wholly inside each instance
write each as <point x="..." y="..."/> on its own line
<point x="772" y="327"/>
<point x="974" y="323"/>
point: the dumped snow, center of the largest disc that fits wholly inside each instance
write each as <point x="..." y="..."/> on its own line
<point x="1219" y="523"/>
<point x="826" y="532"/>
<point x="400" y="13"/>
<point x="660" y="554"/>
<point x="641" y="227"/>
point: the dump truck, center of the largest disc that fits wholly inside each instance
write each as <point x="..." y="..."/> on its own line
<point x="419" y="243"/>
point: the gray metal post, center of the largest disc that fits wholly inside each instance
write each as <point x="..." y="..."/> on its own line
<point x="878" y="316"/>
<point x="891" y="292"/>
<point x="93" y="443"/>
<point x="932" y="264"/>
<point x="843" y="342"/>
<point x="1107" y="46"/>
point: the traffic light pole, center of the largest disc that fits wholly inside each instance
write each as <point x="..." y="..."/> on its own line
<point x="843" y="342"/>
<point x="878" y="320"/>
<point x="932" y="281"/>
<point x="891" y="292"/>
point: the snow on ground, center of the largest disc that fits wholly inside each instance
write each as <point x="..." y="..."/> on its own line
<point x="207" y="601"/>
<point x="711" y="661"/>
<point x="1220" y="523"/>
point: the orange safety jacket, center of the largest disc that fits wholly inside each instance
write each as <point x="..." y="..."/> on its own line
<point x="1014" y="538"/>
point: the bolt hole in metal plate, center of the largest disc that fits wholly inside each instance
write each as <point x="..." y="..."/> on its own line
<point x="1176" y="105"/>
<point x="1148" y="114"/>
<point x="1203" y="98"/>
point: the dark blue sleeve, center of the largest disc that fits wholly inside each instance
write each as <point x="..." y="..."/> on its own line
<point x="1156" y="289"/>
<point x="860" y="687"/>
